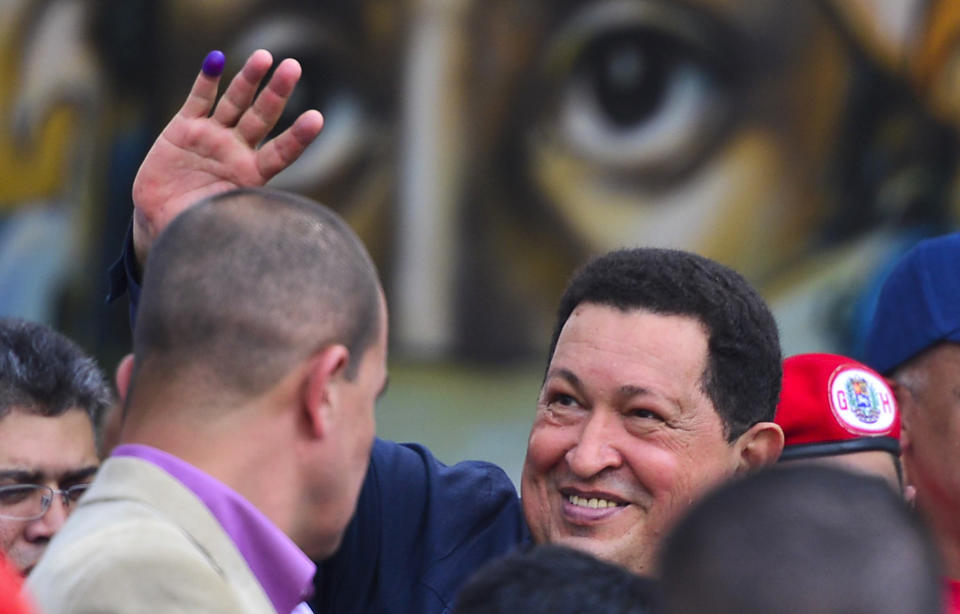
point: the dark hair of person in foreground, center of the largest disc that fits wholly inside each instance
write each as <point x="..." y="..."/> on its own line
<point x="555" y="580"/>
<point x="802" y="539"/>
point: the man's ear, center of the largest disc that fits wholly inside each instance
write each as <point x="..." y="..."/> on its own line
<point x="123" y="375"/>
<point x="760" y="446"/>
<point x="323" y="377"/>
<point x="906" y="443"/>
<point x="905" y="398"/>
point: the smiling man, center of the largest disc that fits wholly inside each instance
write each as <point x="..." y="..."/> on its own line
<point x="662" y="381"/>
<point x="51" y="398"/>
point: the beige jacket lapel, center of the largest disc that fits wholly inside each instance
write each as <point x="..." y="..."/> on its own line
<point x="126" y="479"/>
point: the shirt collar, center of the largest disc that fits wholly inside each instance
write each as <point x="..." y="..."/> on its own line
<point x="281" y="568"/>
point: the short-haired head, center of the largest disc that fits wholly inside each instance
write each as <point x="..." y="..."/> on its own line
<point x="43" y="372"/>
<point x="246" y="284"/>
<point x="552" y="579"/>
<point x="742" y="377"/>
<point x="794" y="539"/>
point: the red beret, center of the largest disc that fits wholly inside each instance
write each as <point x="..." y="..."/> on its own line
<point x="832" y="404"/>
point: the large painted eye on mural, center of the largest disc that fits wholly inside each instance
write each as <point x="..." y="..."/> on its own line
<point x="635" y="91"/>
<point x="484" y="149"/>
<point x="331" y="81"/>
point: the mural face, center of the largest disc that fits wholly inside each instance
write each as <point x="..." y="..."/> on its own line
<point x="483" y="149"/>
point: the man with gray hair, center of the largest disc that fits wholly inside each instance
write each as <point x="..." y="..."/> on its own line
<point x="52" y="397"/>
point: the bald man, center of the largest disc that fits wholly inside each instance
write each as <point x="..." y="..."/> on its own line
<point x="258" y="355"/>
<point x="259" y="352"/>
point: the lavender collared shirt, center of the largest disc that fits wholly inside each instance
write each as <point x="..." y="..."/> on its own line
<point x="281" y="568"/>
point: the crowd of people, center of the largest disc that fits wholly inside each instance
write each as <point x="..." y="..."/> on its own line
<point x="675" y="464"/>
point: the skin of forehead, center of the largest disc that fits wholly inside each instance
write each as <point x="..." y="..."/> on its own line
<point x="51" y="446"/>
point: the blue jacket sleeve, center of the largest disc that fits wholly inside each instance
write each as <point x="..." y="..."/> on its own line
<point x="420" y="530"/>
<point x="124" y="276"/>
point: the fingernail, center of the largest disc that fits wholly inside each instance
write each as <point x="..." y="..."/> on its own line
<point x="213" y="63"/>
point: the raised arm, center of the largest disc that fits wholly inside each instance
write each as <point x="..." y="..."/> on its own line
<point x="200" y="153"/>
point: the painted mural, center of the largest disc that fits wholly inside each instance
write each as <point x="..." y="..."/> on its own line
<point x="485" y="148"/>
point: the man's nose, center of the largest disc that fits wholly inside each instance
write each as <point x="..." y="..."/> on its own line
<point x="596" y="449"/>
<point x="47" y="525"/>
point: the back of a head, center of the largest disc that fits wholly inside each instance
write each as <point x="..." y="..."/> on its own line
<point x="554" y="580"/>
<point x="812" y="540"/>
<point x="244" y="285"/>
<point x="743" y="366"/>
<point x="43" y="372"/>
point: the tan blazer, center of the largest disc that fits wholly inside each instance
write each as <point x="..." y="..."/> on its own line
<point x="139" y="541"/>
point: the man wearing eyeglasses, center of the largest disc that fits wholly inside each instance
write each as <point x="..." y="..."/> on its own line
<point x="51" y="397"/>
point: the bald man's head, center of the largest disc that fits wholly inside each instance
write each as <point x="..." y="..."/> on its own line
<point x="243" y="286"/>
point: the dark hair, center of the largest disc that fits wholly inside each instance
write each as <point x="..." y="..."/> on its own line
<point x="743" y="373"/>
<point x="247" y="283"/>
<point x="808" y="539"/>
<point x="554" y="580"/>
<point x="43" y="372"/>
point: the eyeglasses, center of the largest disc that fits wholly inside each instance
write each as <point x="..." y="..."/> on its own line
<point x="31" y="501"/>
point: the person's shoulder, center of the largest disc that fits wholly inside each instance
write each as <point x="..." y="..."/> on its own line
<point x="417" y="463"/>
<point x="450" y="504"/>
<point x="133" y="562"/>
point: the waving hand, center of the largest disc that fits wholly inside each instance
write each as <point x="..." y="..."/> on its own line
<point x="200" y="153"/>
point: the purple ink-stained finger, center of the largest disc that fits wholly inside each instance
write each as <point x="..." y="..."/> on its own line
<point x="213" y="63"/>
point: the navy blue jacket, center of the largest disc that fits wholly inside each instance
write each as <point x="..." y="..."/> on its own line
<point x="420" y="529"/>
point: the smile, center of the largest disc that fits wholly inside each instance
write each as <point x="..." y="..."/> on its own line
<point x="593" y="502"/>
<point x="588" y="508"/>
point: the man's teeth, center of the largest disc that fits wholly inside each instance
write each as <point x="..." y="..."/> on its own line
<point x="591" y="503"/>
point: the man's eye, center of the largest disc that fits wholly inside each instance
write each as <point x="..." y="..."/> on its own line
<point x="564" y="400"/>
<point x="331" y="82"/>
<point x="10" y="495"/>
<point x="76" y="491"/>
<point x="645" y="414"/>
<point x="634" y="96"/>
<point x="559" y="401"/>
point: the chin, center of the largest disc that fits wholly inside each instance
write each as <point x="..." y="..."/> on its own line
<point x="320" y="545"/>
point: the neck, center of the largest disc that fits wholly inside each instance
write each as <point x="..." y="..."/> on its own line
<point x="248" y="447"/>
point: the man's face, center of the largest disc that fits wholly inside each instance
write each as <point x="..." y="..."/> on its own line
<point x="930" y="408"/>
<point x="58" y="452"/>
<point x="356" y="425"/>
<point x="624" y="438"/>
